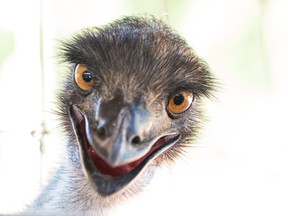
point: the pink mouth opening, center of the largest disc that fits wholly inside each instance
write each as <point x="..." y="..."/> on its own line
<point x="104" y="168"/>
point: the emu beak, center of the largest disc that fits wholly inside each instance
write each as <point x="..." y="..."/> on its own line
<point x="117" y="143"/>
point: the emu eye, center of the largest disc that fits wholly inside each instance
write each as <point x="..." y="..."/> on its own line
<point x="180" y="102"/>
<point x="83" y="77"/>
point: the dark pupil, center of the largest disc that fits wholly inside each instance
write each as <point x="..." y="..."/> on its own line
<point x="87" y="76"/>
<point x="178" y="99"/>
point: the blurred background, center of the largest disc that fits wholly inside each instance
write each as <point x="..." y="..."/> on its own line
<point x="240" y="164"/>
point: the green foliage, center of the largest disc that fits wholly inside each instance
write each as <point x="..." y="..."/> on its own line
<point x="6" y="45"/>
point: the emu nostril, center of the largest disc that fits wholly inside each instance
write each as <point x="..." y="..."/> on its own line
<point x="136" y="140"/>
<point x="101" y="132"/>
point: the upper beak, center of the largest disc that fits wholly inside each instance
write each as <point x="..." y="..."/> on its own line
<point x="122" y="141"/>
<point x="121" y="133"/>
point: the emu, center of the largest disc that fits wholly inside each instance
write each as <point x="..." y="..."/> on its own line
<point x="130" y="103"/>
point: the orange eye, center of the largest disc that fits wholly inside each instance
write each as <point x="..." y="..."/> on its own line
<point x="83" y="77"/>
<point x="180" y="102"/>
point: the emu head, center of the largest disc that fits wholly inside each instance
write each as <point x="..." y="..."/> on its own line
<point x="130" y="101"/>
